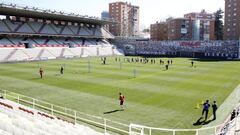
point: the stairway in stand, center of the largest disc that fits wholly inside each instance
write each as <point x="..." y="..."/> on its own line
<point x="10" y="55"/>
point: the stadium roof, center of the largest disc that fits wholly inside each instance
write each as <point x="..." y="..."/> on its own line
<point x="33" y="12"/>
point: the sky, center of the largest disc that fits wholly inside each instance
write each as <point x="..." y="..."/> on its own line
<point x="150" y="10"/>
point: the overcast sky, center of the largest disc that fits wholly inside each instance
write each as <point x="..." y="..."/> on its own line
<point x="150" y="10"/>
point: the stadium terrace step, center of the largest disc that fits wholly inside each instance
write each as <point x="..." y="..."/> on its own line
<point x="9" y="28"/>
<point x="98" y="51"/>
<point x="53" y="27"/>
<point x="41" y="28"/>
<point x="113" y="52"/>
<point x="78" y="31"/>
<point x="34" y="41"/>
<point x="10" y="40"/>
<point x="61" y="30"/>
<point x="10" y="55"/>
<point x="18" y="27"/>
<point x="40" y="53"/>
<point x="62" y="52"/>
<point x="71" y="30"/>
<point x="31" y="27"/>
<point x="46" y="41"/>
<point x="82" y="52"/>
<point x="74" y="29"/>
<point x="56" y="41"/>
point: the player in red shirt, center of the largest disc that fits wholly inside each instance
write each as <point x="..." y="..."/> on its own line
<point x="41" y="72"/>
<point x="121" y="98"/>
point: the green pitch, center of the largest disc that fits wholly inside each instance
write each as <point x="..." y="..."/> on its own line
<point x="155" y="97"/>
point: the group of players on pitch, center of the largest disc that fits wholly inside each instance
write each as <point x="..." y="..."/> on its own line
<point x="41" y="71"/>
<point x="206" y="105"/>
<point x="121" y="96"/>
<point x="149" y="60"/>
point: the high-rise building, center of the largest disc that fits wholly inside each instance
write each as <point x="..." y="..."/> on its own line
<point x="127" y="17"/>
<point x="203" y="25"/>
<point x="105" y="15"/>
<point x="203" y="29"/>
<point x="159" y="31"/>
<point x="232" y="20"/>
<point x="200" y="15"/>
<point x="193" y="26"/>
<point x="179" y="29"/>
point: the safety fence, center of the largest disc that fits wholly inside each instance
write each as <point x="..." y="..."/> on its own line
<point x="110" y="126"/>
<point x="69" y="115"/>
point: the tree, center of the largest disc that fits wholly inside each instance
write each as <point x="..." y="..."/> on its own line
<point x="146" y="30"/>
<point x="218" y="30"/>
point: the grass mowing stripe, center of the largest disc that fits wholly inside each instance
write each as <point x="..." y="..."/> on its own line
<point x="155" y="97"/>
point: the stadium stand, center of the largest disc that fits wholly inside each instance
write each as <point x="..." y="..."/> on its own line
<point x="232" y="124"/>
<point x="20" y="120"/>
<point x="35" y="26"/>
<point x="40" y="53"/>
<point x="10" y="26"/>
<point x="39" y="37"/>
<point x="23" y="115"/>
<point x="208" y="49"/>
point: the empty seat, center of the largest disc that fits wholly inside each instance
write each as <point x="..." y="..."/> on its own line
<point x="3" y="27"/>
<point x="18" y="122"/>
<point x="25" y="28"/>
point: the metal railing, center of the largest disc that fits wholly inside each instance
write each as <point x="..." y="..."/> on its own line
<point x="67" y="114"/>
<point x="221" y="129"/>
<point x="108" y="125"/>
<point x="145" y="130"/>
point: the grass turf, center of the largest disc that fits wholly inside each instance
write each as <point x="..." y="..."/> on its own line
<point x="155" y="97"/>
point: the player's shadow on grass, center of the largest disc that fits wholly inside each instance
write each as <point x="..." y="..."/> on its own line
<point x="207" y="122"/>
<point x="132" y="77"/>
<point x="198" y="122"/>
<point x="201" y="122"/>
<point x="37" y="78"/>
<point x="81" y="73"/>
<point x="113" y="111"/>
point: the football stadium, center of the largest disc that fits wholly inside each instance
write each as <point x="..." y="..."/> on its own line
<point x="66" y="74"/>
